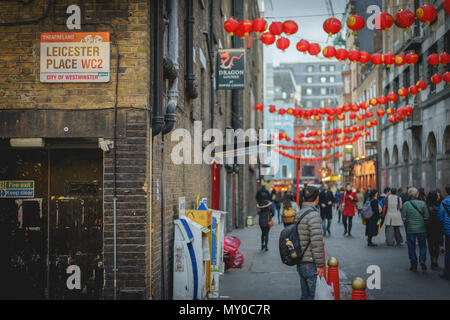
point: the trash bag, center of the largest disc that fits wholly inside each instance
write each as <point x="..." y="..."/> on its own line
<point x="238" y="260"/>
<point x="231" y="244"/>
<point x="323" y="290"/>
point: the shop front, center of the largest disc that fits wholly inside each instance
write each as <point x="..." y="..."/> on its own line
<point x="364" y="175"/>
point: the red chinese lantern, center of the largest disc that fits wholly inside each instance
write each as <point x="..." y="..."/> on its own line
<point x="446" y="76"/>
<point x="390" y="111"/>
<point x="444" y="58"/>
<point x="246" y="26"/>
<point x="369" y="114"/>
<point x="382" y="100"/>
<point x="404" y="19"/>
<point x="354" y="55"/>
<point x="400" y="60"/>
<point x="283" y="43"/>
<point x="364" y="57"/>
<point x="332" y="26"/>
<point x="400" y="111"/>
<point x="276" y="28"/>
<point x="290" y="111"/>
<point x="413" y="90"/>
<point x="380" y="112"/>
<point x="341" y="117"/>
<point x="290" y="27"/>
<point x="317" y="118"/>
<point x="373" y="102"/>
<point x="422" y="85"/>
<point x="436" y="78"/>
<point x="392" y="119"/>
<point x="426" y="14"/>
<point x="329" y="52"/>
<point x="230" y="26"/>
<point x="338" y="110"/>
<point x="341" y="54"/>
<point x="259" y="107"/>
<point x="369" y="124"/>
<point x="383" y="21"/>
<point x="400" y="117"/>
<point x="240" y="33"/>
<point x="297" y="112"/>
<point x="433" y="59"/>
<point x="314" y="49"/>
<point x="408" y="110"/>
<point x="355" y="22"/>
<point x="323" y="111"/>
<point x="355" y="108"/>
<point x="389" y="59"/>
<point x="352" y="116"/>
<point x="360" y="117"/>
<point x="392" y="97"/>
<point x="347" y="107"/>
<point x="281" y="111"/>
<point x="446" y="6"/>
<point x="330" y="118"/>
<point x="272" y="109"/>
<point x="377" y="59"/>
<point x="303" y="46"/>
<point x="374" y="122"/>
<point x="412" y="58"/>
<point x="268" y="38"/>
<point x="259" y="25"/>
<point x="403" y="92"/>
<point x="361" y="128"/>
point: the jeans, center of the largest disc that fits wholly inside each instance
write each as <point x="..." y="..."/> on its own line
<point x="447" y="256"/>
<point x="308" y="277"/>
<point x="433" y="248"/>
<point x="264" y="236"/>
<point x="325" y="225"/>
<point x="347" y="221"/>
<point x="276" y="210"/>
<point x="411" y="239"/>
<point x="398" y="235"/>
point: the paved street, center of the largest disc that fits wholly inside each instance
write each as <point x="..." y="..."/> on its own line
<point x="263" y="276"/>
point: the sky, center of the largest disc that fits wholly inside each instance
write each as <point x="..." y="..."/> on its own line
<point x="313" y="13"/>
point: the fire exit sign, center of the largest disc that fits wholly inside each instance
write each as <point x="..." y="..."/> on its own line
<point x="16" y="189"/>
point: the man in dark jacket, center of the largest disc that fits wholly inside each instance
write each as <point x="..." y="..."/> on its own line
<point x="262" y="194"/>
<point x="444" y="216"/>
<point x="311" y="243"/>
<point x="326" y="199"/>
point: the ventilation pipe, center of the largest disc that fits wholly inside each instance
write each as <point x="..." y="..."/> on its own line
<point x="157" y="117"/>
<point x="191" y="88"/>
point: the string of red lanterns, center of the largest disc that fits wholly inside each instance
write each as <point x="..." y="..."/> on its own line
<point x="319" y="158"/>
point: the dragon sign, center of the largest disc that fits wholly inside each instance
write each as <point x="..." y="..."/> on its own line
<point x="231" y="69"/>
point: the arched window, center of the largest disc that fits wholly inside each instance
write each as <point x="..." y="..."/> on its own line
<point x="386" y="157"/>
<point x="395" y="155"/>
<point x="405" y="152"/>
<point x="446" y="146"/>
<point x="431" y="146"/>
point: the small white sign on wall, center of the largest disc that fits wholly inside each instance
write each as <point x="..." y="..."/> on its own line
<point x="182" y="206"/>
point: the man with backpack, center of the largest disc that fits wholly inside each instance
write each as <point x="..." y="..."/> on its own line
<point x="415" y="216"/>
<point x="310" y="234"/>
<point x="444" y="216"/>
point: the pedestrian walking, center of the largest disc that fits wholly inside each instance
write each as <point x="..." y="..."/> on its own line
<point x="337" y="202"/>
<point x="404" y="195"/>
<point x="326" y="199"/>
<point x="276" y="205"/>
<point x="372" y="222"/>
<point x="393" y="218"/>
<point x="311" y="244"/>
<point x="381" y="197"/>
<point x="262" y="194"/>
<point x="347" y="207"/>
<point x="444" y="216"/>
<point x="422" y="195"/>
<point x="265" y="222"/>
<point x="289" y="209"/>
<point x="415" y="216"/>
<point x="435" y="229"/>
<point x="360" y="203"/>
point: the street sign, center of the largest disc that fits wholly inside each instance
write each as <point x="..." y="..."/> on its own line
<point x="16" y="189"/>
<point x="231" y="69"/>
<point x="75" y="57"/>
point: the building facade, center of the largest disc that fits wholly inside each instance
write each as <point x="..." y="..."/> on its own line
<point x="416" y="151"/>
<point x="94" y="158"/>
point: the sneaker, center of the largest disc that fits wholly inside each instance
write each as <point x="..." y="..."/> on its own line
<point x="412" y="268"/>
<point x="349" y="234"/>
<point x="423" y="266"/>
<point x="267" y="249"/>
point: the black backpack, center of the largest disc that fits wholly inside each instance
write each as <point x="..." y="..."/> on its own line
<point x="290" y="233"/>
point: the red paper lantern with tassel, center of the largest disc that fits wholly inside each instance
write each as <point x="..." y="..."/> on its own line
<point x="230" y="26"/>
<point x="383" y="21"/>
<point x="400" y="60"/>
<point x="433" y="59"/>
<point x="404" y="19"/>
<point x="259" y="25"/>
<point x="329" y="52"/>
<point x="314" y="49"/>
<point x="412" y="58"/>
<point x="341" y="54"/>
<point x="377" y="59"/>
<point x="290" y="27"/>
<point x="246" y="26"/>
<point x="276" y="28"/>
<point x="364" y="57"/>
<point x="422" y="85"/>
<point x="413" y="90"/>
<point x="268" y="38"/>
<point x="389" y="59"/>
<point x="354" y="55"/>
<point x="403" y="92"/>
<point x="355" y="22"/>
<point x="332" y="26"/>
<point x="436" y="78"/>
<point x="426" y="14"/>
<point x="283" y="43"/>
<point x="446" y="76"/>
<point x="303" y="46"/>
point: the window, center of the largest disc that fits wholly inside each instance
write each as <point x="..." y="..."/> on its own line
<point x="323" y="79"/>
<point x="332" y="79"/>
<point x="309" y="92"/>
<point x="308" y="171"/>
<point x="284" y="170"/>
<point x="309" y="104"/>
<point x="347" y="85"/>
<point x="309" y="68"/>
<point x="309" y="79"/>
<point x="332" y="68"/>
<point x="323" y="91"/>
<point x="323" y="68"/>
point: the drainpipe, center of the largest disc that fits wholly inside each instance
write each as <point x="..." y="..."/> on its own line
<point x="191" y="87"/>
<point x="211" y="59"/>
<point x="170" y="117"/>
<point x="157" y="118"/>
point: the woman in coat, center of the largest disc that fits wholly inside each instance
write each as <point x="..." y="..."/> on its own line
<point x="288" y="202"/>
<point x="372" y="223"/>
<point x="435" y="230"/>
<point x="360" y="203"/>
<point x="326" y="199"/>
<point x="265" y="216"/>
<point x="348" y="203"/>
<point x="393" y="218"/>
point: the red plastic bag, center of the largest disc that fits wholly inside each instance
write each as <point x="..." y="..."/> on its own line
<point x="238" y="260"/>
<point x="231" y="245"/>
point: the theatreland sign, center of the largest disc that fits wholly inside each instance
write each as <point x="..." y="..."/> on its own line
<point x="75" y="57"/>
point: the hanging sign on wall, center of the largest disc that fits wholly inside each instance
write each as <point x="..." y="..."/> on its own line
<point x="231" y="69"/>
